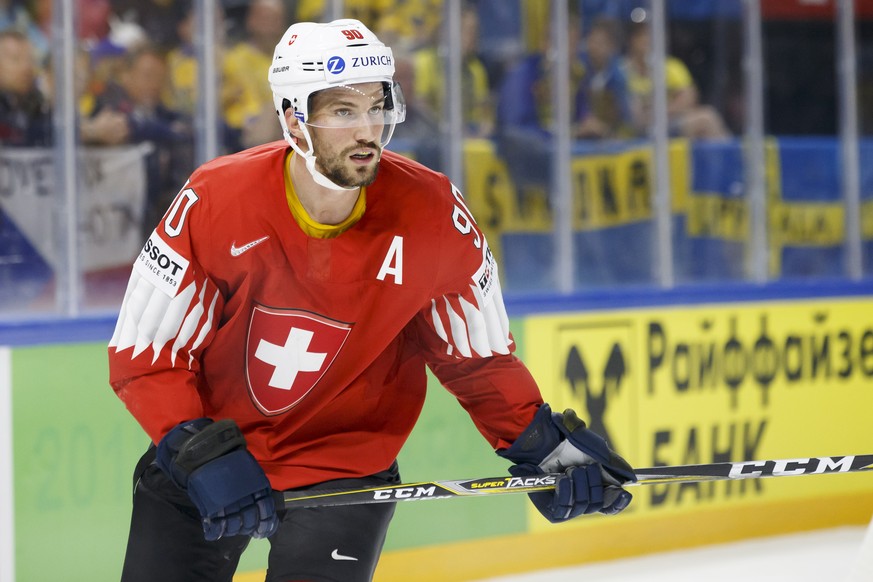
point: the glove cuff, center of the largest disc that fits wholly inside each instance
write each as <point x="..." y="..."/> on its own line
<point x="192" y="444"/>
<point x="536" y="441"/>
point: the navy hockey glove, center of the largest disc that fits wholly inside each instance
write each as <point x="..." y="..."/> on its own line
<point x="209" y="461"/>
<point x="592" y="473"/>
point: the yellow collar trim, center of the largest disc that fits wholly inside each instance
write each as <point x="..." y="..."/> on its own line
<point x="312" y="227"/>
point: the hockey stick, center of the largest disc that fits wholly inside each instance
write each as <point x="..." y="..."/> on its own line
<point x="500" y="485"/>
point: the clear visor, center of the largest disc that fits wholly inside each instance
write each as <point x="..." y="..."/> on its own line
<point x="359" y="105"/>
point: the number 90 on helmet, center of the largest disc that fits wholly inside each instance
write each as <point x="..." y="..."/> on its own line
<point x="312" y="57"/>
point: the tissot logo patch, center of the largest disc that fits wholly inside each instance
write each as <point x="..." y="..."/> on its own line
<point x="287" y="353"/>
<point x="161" y="265"/>
<point x="486" y="275"/>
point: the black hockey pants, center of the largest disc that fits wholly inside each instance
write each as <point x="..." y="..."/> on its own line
<point x="329" y="544"/>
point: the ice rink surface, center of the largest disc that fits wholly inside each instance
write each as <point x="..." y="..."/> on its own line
<point x="825" y="555"/>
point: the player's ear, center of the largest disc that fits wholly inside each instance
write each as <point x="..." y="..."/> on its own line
<point x="293" y="124"/>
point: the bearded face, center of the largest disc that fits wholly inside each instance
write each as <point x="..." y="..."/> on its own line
<point x="349" y="166"/>
<point x="346" y="125"/>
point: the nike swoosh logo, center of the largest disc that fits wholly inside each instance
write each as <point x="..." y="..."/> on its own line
<point x="237" y="251"/>
<point x="337" y="556"/>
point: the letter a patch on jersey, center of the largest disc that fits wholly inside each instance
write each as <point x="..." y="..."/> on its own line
<point x="287" y="353"/>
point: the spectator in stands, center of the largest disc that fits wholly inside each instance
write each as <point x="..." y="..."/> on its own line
<point x="108" y="127"/>
<point x="249" y="109"/>
<point x="430" y="84"/>
<point x="422" y="20"/>
<point x="415" y="136"/>
<point x="599" y="100"/>
<point x="138" y="95"/>
<point x="687" y="117"/>
<point x="608" y="113"/>
<point x="14" y="14"/>
<point x="368" y="11"/>
<point x="183" y="90"/>
<point x="182" y="64"/>
<point x="25" y="114"/>
<point x="158" y="18"/>
<point x="417" y="21"/>
<point x="92" y="20"/>
<point x="525" y="117"/>
<point x="108" y="41"/>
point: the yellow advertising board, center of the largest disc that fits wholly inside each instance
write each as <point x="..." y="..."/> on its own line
<point x="714" y="383"/>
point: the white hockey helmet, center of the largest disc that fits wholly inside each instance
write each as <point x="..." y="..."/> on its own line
<point x="312" y="57"/>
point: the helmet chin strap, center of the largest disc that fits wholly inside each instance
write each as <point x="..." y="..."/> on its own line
<point x="309" y="156"/>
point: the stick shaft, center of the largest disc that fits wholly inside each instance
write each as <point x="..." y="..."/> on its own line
<point x="502" y="485"/>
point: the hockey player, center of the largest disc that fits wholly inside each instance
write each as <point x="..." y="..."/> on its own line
<point x="277" y="327"/>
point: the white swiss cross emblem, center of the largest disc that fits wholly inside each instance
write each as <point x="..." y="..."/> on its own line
<point x="287" y="353"/>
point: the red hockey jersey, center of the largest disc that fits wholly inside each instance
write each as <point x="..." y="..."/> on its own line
<point x="316" y="347"/>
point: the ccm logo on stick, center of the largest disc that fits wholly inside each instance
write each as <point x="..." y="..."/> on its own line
<point x="786" y="467"/>
<point x="405" y="493"/>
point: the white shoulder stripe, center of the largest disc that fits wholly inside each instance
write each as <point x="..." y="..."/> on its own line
<point x="477" y="328"/>
<point x="189" y="326"/>
<point x="118" y="333"/>
<point x="150" y="319"/>
<point x="459" y="330"/>
<point x="497" y="323"/>
<point x="172" y="319"/>
<point x="438" y="323"/>
<point x="468" y="328"/>
<point x="135" y="299"/>
<point x="204" y="331"/>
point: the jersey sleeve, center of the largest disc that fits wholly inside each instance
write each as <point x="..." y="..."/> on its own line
<point x="467" y="341"/>
<point x="168" y="316"/>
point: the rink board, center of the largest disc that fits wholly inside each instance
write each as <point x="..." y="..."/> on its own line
<point x="760" y="379"/>
<point x="693" y="384"/>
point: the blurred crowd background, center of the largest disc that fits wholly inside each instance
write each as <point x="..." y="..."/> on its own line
<point x="536" y="108"/>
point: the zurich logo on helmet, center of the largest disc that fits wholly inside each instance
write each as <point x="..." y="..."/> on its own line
<point x="336" y="65"/>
